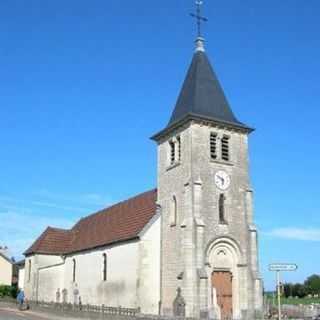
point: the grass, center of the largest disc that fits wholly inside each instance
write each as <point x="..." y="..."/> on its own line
<point x="300" y="301"/>
<point x="294" y="301"/>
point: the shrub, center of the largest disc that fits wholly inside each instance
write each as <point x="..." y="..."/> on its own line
<point x="8" y="291"/>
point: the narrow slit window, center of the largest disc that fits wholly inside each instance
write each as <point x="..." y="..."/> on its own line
<point x="173" y="213"/>
<point x="222" y="199"/>
<point x="179" y="148"/>
<point x="225" y="152"/>
<point x="104" y="267"/>
<point x="74" y="265"/>
<point x="29" y="271"/>
<point x="172" y="152"/>
<point x="213" y="146"/>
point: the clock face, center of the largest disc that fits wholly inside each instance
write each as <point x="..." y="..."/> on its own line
<point x="222" y="180"/>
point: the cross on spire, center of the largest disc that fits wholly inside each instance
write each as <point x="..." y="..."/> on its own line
<point x="199" y="17"/>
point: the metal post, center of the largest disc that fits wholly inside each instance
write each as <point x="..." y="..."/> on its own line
<point x="279" y="295"/>
<point x="281" y="267"/>
<point x="273" y="299"/>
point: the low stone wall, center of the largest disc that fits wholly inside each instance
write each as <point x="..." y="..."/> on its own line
<point x="303" y="311"/>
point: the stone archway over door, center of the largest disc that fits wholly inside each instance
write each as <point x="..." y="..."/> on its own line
<point x="222" y="282"/>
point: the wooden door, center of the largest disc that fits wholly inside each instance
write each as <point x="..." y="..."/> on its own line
<point x="222" y="282"/>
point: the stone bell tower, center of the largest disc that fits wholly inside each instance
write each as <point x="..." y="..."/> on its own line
<point x="209" y="251"/>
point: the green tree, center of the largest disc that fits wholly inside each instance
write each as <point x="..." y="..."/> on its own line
<point x="312" y="284"/>
<point x="287" y="290"/>
<point x="299" y="290"/>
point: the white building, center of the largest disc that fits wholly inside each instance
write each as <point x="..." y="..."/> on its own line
<point x="194" y="234"/>
<point x="19" y="266"/>
<point x="6" y="269"/>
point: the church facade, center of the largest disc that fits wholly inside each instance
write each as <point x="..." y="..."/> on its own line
<point x="192" y="240"/>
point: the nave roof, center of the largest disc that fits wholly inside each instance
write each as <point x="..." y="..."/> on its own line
<point x="120" y="222"/>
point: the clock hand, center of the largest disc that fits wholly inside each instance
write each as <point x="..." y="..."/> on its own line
<point x="221" y="179"/>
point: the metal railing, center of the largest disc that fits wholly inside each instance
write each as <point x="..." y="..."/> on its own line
<point x="84" y="308"/>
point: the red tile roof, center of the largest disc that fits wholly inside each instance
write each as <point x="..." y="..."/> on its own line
<point x="52" y="241"/>
<point x="120" y="222"/>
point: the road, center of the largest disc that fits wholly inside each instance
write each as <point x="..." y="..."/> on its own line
<point x="11" y="314"/>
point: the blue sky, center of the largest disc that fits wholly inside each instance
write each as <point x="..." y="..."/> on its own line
<point x="84" y="85"/>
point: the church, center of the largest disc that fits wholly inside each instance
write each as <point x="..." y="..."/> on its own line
<point x="192" y="239"/>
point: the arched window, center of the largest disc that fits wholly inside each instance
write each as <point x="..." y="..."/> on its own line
<point x="74" y="270"/>
<point x="222" y="199"/>
<point x="104" y="267"/>
<point x="173" y="213"/>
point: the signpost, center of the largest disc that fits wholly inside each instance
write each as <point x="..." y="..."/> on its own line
<point x="283" y="267"/>
<point x="277" y="267"/>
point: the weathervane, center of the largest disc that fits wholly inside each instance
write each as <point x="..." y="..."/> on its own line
<point x="198" y="16"/>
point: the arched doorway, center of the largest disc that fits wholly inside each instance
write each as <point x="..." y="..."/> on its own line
<point x="224" y="274"/>
<point x="222" y="282"/>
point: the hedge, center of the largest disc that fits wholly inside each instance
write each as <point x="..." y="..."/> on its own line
<point x="8" y="291"/>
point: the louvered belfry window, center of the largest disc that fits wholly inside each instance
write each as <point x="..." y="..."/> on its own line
<point x="213" y="145"/>
<point x="172" y="152"/>
<point x="179" y="148"/>
<point x="225" y="154"/>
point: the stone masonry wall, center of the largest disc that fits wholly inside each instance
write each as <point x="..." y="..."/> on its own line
<point x="185" y="246"/>
<point x="171" y="183"/>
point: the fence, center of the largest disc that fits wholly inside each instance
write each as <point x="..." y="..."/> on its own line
<point x="85" y="309"/>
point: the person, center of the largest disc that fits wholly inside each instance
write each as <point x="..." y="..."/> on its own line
<point x="20" y="299"/>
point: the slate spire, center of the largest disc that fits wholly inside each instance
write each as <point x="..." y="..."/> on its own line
<point x="201" y="94"/>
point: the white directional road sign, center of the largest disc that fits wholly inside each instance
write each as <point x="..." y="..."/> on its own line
<point x="278" y="267"/>
<point x="283" y="267"/>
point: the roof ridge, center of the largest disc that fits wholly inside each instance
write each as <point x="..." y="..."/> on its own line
<point x="59" y="229"/>
<point x="196" y="82"/>
<point x="114" y="205"/>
